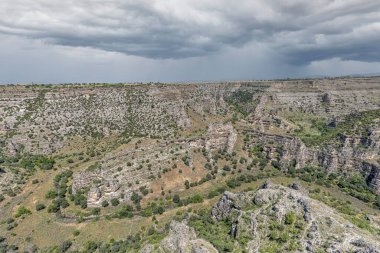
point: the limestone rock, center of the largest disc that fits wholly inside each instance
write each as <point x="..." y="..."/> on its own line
<point x="183" y="239"/>
<point x="221" y="136"/>
<point x="322" y="226"/>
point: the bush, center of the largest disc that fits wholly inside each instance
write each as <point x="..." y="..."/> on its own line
<point x="135" y="198"/>
<point x="40" y="207"/>
<point x="212" y="194"/>
<point x="115" y="202"/>
<point x="144" y="190"/>
<point x="226" y="168"/>
<point x="90" y="246"/>
<point x="65" y="246"/>
<point x="51" y="194"/>
<point x="46" y="163"/>
<point x="196" y="199"/>
<point x="157" y="209"/>
<point x="176" y="198"/>
<point x="187" y="184"/>
<point x="124" y="212"/>
<point x="378" y="201"/>
<point x="62" y="202"/>
<point x="2" y="197"/>
<point x="276" y="165"/>
<point x="95" y="211"/>
<point x="53" y="208"/>
<point x="80" y="200"/>
<point x="290" y="218"/>
<point x="105" y="203"/>
<point x="21" y="211"/>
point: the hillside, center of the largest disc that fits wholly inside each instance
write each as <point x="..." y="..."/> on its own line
<point x="108" y="168"/>
<point x="272" y="219"/>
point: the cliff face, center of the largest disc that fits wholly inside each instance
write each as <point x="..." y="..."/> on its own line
<point x="351" y="156"/>
<point x="42" y="119"/>
<point x="290" y="119"/>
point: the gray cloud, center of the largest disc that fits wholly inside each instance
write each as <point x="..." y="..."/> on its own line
<point x="299" y="30"/>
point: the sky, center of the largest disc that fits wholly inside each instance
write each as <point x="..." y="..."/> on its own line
<point x="64" y="41"/>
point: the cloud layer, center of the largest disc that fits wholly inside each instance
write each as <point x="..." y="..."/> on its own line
<point x="299" y="31"/>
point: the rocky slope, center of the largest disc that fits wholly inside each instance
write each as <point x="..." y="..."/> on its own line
<point x="272" y="219"/>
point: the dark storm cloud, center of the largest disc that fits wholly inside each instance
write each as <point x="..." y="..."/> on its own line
<point x="299" y="30"/>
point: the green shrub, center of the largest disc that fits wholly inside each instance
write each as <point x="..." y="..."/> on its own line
<point x="80" y="200"/>
<point x="196" y="199"/>
<point x="22" y="211"/>
<point x="53" y="208"/>
<point x="290" y="218"/>
<point x="40" y="207"/>
<point x="90" y="246"/>
<point x="126" y="211"/>
<point x="65" y="246"/>
<point x="115" y="202"/>
<point x="135" y="198"/>
<point x="176" y="198"/>
<point x="95" y="211"/>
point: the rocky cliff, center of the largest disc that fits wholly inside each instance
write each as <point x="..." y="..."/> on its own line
<point x="272" y="219"/>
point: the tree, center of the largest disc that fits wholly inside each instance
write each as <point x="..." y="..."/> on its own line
<point x="53" y="208"/>
<point x="187" y="184"/>
<point x="226" y="168"/>
<point x="51" y="194"/>
<point x="105" y="203"/>
<point x="176" y="198"/>
<point x="80" y="200"/>
<point x="135" y="198"/>
<point x="115" y="202"/>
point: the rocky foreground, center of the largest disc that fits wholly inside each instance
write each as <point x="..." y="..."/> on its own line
<point x="272" y="219"/>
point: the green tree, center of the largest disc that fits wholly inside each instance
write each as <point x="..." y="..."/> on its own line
<point x="115" y="202"/>
<point x="176" y="198"/>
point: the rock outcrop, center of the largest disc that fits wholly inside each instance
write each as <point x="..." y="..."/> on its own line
<point x="320" y="227"/>
<point x="221" y="136"/>
<point x="181" y="239"/>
